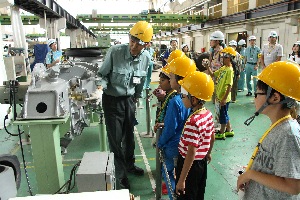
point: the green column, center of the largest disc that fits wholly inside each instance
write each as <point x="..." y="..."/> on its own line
<point x="46" y="152"/>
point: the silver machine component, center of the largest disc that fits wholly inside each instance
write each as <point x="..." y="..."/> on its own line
<point x="46" y="98"/>
<point x="66" y="89"/>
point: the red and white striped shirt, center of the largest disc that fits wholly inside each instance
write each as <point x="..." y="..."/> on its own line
<point x="197" y="132"/>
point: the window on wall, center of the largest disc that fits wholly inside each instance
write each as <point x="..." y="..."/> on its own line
<point x="265" y="2"/>
<point x="234" y="6"/>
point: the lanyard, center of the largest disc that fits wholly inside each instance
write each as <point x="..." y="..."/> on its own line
<point x="270" y="48"/>
<point x="161" y="114"/>
<point x="261" y="140"/>
<point x="200" y="109"/>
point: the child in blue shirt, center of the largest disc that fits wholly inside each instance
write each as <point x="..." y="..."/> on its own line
<point x="176" y="115"/>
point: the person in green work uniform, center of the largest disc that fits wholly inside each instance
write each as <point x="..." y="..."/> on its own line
<point x="123" y="74"/>
<point x="273" y="171"/>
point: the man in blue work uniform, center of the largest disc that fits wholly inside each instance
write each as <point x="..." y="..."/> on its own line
<point x="173" y="46"/>
<point x="252" y="63"/>
<point x="241" y="83"/>
<point x="53" y="56"/>
<point x="123" y="74"/>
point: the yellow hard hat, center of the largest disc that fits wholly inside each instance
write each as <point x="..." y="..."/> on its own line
<point x="229" y="50"/>
<point x="182" y="66"/>
<point x="142" y="30"/>
<point x="198" y="84"/>
<point x="175" y="54"/>
<point x="283" y="76"/>
<point x="166" y="70"/>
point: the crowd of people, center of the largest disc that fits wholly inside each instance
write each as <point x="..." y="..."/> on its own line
<point x="188" y="127"/>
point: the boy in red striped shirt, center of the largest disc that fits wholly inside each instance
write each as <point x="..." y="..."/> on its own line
<point x="197" y="138"/>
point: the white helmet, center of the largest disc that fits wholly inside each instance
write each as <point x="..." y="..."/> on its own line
<point x="217" y="35"/>
<point x="232" y="43"/>
<point x="298" y="42"/>
<point x="273" y="34"/>
<point x="242" y="42"/>
<point x="184" y="45"/>
<point x="252" y="37"/>
<point x="173" y="39"/>
<point x="50" y="41"/>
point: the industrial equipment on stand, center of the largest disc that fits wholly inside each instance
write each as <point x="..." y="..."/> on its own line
<point x="57" y="103"/>
<point x="66" y="89"/>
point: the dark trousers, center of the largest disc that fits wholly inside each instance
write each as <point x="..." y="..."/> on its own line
<point x="234" y="88"/>
<point x="119" y="113"/>
<point x="194" y="187"/>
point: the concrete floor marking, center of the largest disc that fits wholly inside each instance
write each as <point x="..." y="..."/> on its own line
<point x="152" y="181"/>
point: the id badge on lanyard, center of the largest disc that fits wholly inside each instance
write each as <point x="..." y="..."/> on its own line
<point x="136" y="80"/>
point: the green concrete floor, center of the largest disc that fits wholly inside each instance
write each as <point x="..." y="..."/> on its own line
<point x="228" y="156"/>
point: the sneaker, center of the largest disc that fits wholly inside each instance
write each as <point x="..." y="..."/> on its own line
<point x="249" y="94"/>
<point x="124" y="183"/>
<point x="220" y="136"/>
<point x="240" y="90"/>
<point x="232" y="101"/>
<point x="136" y="171"/>
<point x="229" y="133"/>
<point x="164" y="189"/>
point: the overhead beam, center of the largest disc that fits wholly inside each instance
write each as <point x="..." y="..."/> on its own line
<point x="53" y="11"/>
<point x="103" y="28"/>
<point x="132" y="18"/>
<point x="27" y="20"/>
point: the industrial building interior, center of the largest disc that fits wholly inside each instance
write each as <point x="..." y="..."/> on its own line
<point x="53" y="140"/>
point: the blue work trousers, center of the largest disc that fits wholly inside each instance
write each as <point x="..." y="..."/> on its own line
<point x="241" y="83"/>
<point x="170" y="153"/>
<point x="250" y="71"/>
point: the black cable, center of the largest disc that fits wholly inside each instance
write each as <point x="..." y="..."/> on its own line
<point x="9" y="133"/>
<point x="13" y="99"/>
<point x="24" y="164"/>
<point x="12" y="102"/>
<point x="61" y="187"/>
<point x="69" y="182"/>
<point x="73" y="174"/>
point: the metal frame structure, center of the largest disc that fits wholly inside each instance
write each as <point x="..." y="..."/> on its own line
<point x="132" y="18"/>
<point x="290" y="7"/>
<point x="52" y="10"/>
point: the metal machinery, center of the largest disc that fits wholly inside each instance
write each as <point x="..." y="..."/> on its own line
<point x="65" y="89"/>
<point x="57" y="104"/>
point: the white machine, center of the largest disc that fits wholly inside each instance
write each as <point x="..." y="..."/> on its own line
<point x="8" y="188"/>
<point x="96" y="172"/>
<point x="112" y="194"/>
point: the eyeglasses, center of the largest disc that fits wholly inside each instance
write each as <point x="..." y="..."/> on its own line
<point x="259" y="93"/>
<point x="226" y="56"/>
<point x="137" y="40"/>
